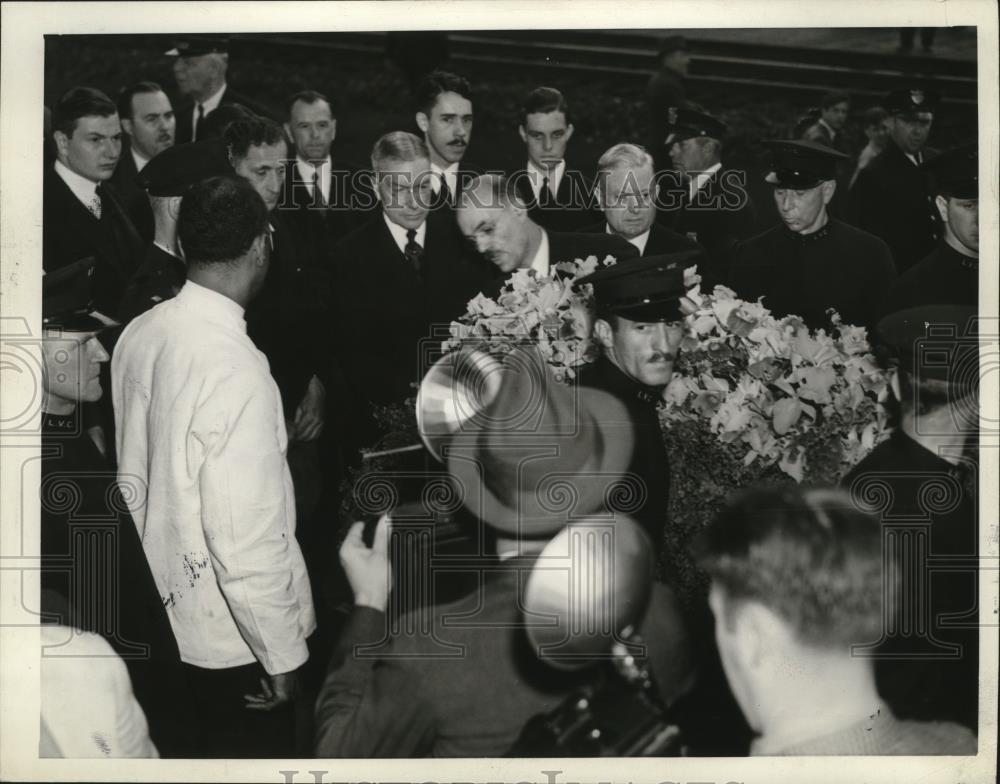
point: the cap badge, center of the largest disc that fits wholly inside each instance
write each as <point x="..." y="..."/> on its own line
<point x="917" y="96"/>
<point x="672" y="115"/>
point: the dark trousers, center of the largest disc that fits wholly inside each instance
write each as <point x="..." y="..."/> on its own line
<point x="226" y="727"/>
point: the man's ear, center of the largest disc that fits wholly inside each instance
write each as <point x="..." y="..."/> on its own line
<point x="941" y="203"/>
<point x="759" y="632"/>
<point x="62" y="143"/>
<point x="126" y="125"/>
<point x="894" y="384"/>
<point x="521" y="132"/>
<point x="569" y="131"/>
<point x="423" y="123"/>
<point x="603" y="333"/>
<point x="829" y="188"/>
<point x="333" y="125"/>
<point x="174" y="207"/>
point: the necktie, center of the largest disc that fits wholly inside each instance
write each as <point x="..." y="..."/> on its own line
<point x="445" y="192"/>
<point x="545" y="194"/>
<point x="414" y="251"/>
<point x="318" y="190"/>
<point x="95" y="205"/>
<point x="197" y="122"/>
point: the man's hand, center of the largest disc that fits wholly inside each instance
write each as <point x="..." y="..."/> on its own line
<point x="276" y="690"/>
<point x="368" y="570"/>
<point x="310" y="414"/>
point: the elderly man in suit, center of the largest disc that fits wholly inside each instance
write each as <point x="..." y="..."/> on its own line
<point x="200" y="67"/>
<point x="628" y="190"/>
<point x="494" y="218"/>
<point x="398" y="275"/>
<point x="557" y="197"/>
<point x="714" y="206"/>
<point x="891" y="197"/>
<point x="149" y="124"/>
<point x="462" y="678"/>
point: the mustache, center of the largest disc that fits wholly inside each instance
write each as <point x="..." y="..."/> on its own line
<point x="458" y="143"/>
<point x="662" y="357"/>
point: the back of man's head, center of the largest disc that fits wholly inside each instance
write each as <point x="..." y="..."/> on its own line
<point x="437" y="82"/>
<point x="253" y="131"/>
<point x="219" y="220"/>
<point x="80" y="102"/>
<point x="808" y="555"/>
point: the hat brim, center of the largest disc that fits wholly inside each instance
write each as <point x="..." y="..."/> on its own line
<point x="798" y="181"/>
<point x="530" y="512"/>
<point x="94" y="321"/>
<point x="651" y="312"/>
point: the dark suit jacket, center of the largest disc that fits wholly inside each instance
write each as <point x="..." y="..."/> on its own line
<point x="70" y="233"/>
<point x="159" y="277"/>
<point x="352" y="201"/>
<point x="720" y="216"/>
<point x="134" y="198"/>
<point x="570" y="209"/>
<point x="891" y="198"/>
<point x="287" y="317"/>
<point x="466" y="686"/>
<point x="466" y="172"/>
<point x="186" y="109"/>
<point x="386" y="313"/>
<point x="661" y="239"/>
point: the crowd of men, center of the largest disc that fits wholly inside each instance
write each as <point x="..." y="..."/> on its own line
<point x="226" y="301"/>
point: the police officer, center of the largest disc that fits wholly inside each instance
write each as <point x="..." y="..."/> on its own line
<point x="165" y="179"/>
<point x="950" y="273"/>
<point x="639" y="327"/>
<point x="812" y="262"/>
<point x="890" y="197"/>
<point x="94" y="575"/>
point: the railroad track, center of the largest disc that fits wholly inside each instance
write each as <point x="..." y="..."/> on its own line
<point x="631" y="55"/>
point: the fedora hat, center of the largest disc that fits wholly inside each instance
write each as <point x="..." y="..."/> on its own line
<point x="538" y="452"/>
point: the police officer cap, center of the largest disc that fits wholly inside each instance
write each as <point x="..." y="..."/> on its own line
<point x="66" y="299"/>
<point x="933" y="342"/>
<point x="912" y="100"/>
<point x="648" y="289"/>
<point x="955" y="172"/>
<point x="177" y="168"/>
<point x="687" y="124"/>
<point x="195" y="45"/>
<point x="801" y="164"/>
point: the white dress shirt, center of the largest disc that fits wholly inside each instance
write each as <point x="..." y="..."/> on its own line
<point x="307" y="171"/>
<point x="140" y="160"/>
<point x="450" y="176"/>
<point x="208" y="106"/>
<point x="200" y="426"/>
<point x="699" y="180"/>
<point x="85" y="190"/>
<point x="399" y="233"/>
<point x="638" y="241"/>
<point x="540" y="264"/>
<point x="537" y="176"/>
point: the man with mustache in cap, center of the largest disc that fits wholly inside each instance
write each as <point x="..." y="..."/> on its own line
<point x="950" y="273"/>
<point x="812" y="261"/>
<point x="890" y="198"/>
<point x="639" y="326"/>
<point x="461" y="679"/>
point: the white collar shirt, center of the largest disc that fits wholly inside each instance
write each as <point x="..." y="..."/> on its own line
<point x="699" y="180"/>
<point x="540" y="263"/>
<point x="140" y="159"/>
<point x="399" y="233"/>
<point x="536" y="177"/>
<point x="307" y="171"/>
<point x="201" y="430"/>
<point x="208" y="106"/>
<point x="85" y="190"/>
<point x="450" y="176"/>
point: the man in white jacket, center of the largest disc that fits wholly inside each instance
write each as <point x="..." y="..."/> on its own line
<point x="200" y="424"/>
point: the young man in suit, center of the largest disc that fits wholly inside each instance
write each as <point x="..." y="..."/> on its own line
<point x="496" y="221"/>
<point x="444" y="116"/>
<point x="149" y="123"/>
<point x="324" y="199"/>
<point x="200" y="70"/>
<point x="81" y="215"/>
<point x="627" y="191"/>
<point x="557" y="197"/>
<point x="714" y="206"/>
<point x="399" y="276"/>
